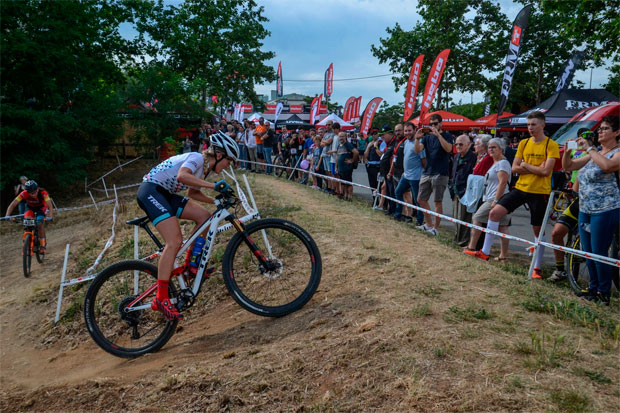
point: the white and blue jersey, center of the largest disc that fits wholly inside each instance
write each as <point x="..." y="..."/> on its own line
<point x="165" y="174"/>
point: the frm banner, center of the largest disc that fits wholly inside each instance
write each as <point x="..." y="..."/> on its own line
<point x="566" y="76"/>
<point x="328" y="86"/>
<point x="279" y="84"/>
<point x="412" y="87"/>
<point x="432" y="84"/>
<point x="314" y="109"/>
<point x="369" y="114"/>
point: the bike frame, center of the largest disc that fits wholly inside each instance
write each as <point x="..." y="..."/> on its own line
<point x="32" y="230"/>
<point x="214" y="228"/>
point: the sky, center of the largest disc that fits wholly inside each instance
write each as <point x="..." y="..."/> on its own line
<point x="309" y="35"/>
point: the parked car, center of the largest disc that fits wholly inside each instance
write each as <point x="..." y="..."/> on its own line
<point x="588" y="118"/>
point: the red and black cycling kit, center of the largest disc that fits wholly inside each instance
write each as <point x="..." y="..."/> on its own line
<point x="36" y="203"/>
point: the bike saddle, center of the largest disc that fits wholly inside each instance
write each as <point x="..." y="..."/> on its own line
<point x="137" y="221"/>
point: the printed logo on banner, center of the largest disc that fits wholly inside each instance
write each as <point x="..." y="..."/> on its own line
<point x="428" y="99"/>
<point x="516" y="36"/>
<point x="412" y="87"/>
<point x="578" y="104"/>
<point x="369" y="113"/>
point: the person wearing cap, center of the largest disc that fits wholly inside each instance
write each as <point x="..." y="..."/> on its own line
<point x="269" y="140"/>
<point x="438" y="146"/>
<point x="387" y="188"/>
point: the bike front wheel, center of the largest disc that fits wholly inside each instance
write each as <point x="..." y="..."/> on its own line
<point x="27" y="254"/>
<point x="293" y="276"/>
<point x="117" y="323"/>
<point x="577" y="270"/>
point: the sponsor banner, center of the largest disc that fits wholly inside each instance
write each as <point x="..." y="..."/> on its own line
<point x="279" y="87"/>
<point x="346" y="115"/>
<point x="237" y="112"/>
<point x="487" y="109"/>
<point x="432" y="84"/>
<point x="369" y="114"/>
<point x="279" y="107"/>
<point x="315" y="108"/>
<point x="412" y="87"/>
<point x="566" y="76"/>
<point x="518" y="31"/>
<point x="328" y="84"/>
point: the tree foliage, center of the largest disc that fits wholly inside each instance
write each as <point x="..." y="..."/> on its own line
<point x="389" y="115"/>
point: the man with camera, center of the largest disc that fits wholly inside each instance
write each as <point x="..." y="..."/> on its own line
<point x="438" y="146"/>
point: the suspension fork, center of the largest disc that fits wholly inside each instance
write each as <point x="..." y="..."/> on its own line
<point x="32" y="235"/>
<point x="238" y="225"/>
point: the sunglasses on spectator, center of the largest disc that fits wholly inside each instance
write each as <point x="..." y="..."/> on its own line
<point x="459" y="144"/>
<point x="434" y="123"/>
<point x="604" y="128"/>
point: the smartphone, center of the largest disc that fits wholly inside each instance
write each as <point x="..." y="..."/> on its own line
<point x="571" y="145"/>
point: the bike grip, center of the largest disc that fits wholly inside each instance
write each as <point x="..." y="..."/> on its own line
<point x="222" y="186"/>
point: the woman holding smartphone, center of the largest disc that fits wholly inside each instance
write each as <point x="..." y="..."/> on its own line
<point x="599" y="201"/>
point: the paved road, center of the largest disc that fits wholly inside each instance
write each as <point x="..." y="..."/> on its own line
<point x="520" y="218"/>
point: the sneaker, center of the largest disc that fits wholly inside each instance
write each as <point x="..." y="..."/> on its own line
<point x="477" y="254"/>
<point x="167" y="309"/>
<point x="557" y="276"/>
<point x="537" y="274"/>
<point x="585" y="294"/>
<point x="433" y="231"/>
<point x="408" y="219"/>
<point x="603" y="299"/>
<point x="376" y="208"/>
<point x="423" y="227"/>
<point x="530" y="250"/>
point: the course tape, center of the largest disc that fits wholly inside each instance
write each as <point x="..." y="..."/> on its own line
<point x="112" y="170"/>
<point x="109" y="201"/>
<point x="591" y="256"/>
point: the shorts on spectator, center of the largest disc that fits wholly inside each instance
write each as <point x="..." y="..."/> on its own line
<point x="347" y="176"/>
<point x="536" y="202"/>
<point x="332" y="168"/>
<point x="482" y="214"/>
<point x="326" y="165"/>
<point x="432" y="183"/>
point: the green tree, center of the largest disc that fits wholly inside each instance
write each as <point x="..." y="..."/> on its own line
<point x="475" y="31"/>
<point x="388" y="115"/>
<point x="61" y="65"/>
<point x="214" y="45"/>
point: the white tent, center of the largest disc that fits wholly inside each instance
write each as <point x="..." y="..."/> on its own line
<point x="335" y="118"/>
<point x="254" y="117"/>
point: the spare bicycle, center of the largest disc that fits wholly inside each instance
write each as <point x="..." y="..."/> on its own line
<point x="271" y="267"/>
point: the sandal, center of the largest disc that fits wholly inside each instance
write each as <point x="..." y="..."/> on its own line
<point x="467" y="249"/>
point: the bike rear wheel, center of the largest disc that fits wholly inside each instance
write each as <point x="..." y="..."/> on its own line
<point x="120" y="332"/>
<point x="27" y="254"/>
<point x="289" y="285"/>
<point x="278" y="170"/>
<point x="577" y="270"/>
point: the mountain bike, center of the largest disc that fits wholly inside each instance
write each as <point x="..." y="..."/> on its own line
<point x="576" y="268"/>
<point x="30" y="244"/>
<point x="271" y="267"/>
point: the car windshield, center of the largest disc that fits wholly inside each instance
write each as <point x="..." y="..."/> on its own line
<point x="569" y="131"/>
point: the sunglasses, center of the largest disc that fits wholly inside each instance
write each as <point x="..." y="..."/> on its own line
<point x="604" y="128"/>
<point x="459" y="144"/>
<point x="434" y="123"/>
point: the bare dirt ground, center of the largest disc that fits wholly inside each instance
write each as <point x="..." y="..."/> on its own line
<point x="401" y="322"/>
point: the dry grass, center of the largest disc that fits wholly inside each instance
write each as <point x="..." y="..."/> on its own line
<point x="400" y="322"/>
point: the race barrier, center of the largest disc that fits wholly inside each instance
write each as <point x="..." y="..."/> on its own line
<point x="536" y="244"/>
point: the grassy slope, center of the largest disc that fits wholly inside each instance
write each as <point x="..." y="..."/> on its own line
<point x="401" y="322"/>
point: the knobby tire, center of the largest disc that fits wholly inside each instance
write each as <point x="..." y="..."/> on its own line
<point x="281" y="292"/>
<point x="27" y="257"/>
<point x="110" y="290"/>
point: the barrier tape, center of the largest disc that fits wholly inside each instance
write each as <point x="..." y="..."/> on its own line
<point x="109" y="201"/>
<point x="591" y="256"/>
<point x="112" y="170"/>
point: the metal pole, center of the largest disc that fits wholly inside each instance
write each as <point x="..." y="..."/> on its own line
<point x="542" y="233"/>
<point x="62" y="280"/>
<point x="267" y="244"/>
<point x="105" y="188"/>
<point x="294" y="169"/>
<point x="94" y="203"/>
<point x="119" y="162"/>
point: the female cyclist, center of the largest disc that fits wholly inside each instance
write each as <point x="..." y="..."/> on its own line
<point x="158" y="197"/>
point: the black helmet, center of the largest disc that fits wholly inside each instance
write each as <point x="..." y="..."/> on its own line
<point x="31" y="186"/>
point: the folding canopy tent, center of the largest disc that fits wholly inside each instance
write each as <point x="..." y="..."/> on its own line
<point x="560" y="107"/>
<point x="490" y="121"/>
<point x="293" y="122"/>
<point x="451" y="121"/>
<point x="335" y="118"/>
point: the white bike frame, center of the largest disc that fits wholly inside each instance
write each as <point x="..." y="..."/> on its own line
<point x="214" y="228"/>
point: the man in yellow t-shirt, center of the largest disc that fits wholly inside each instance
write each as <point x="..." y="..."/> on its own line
<point x="534" y="163"/>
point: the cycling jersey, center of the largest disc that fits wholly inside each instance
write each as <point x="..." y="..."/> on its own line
<point x="34" y="201"/>
<point x="165" y="174"/>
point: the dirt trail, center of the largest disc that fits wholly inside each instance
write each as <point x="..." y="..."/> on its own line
<point x="400" y="322"/>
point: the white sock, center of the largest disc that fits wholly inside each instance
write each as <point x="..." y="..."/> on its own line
<point x="539" y="254"/>
<point x="489" y="238"/>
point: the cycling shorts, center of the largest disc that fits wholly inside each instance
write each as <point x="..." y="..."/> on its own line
<point x="158" y="203"/>
<point x="39" y="213"/>
<point x="570" y="216"/>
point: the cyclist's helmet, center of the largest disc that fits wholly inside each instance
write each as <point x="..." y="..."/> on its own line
<point x="31" y="186"/>
<point x="223" y="143"/>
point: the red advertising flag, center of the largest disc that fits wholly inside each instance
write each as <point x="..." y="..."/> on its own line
<point x="314" y="109"/>
<point x="412" y="87"/>
<point x="432" y="84"/>
<point x="356" y="109"/>
<point x="369" y="113"/>
<point x="279" y="84"/>
<point x="347" y="108"/>
<point x="329" y="80"/>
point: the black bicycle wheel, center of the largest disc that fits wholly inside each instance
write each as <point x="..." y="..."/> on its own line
<point x="26" y="254"/>
<point x="277" y="164"/>
<point x="292" y="282"/>
<point x="122" y="333"/>
<point x="37" y="253"/>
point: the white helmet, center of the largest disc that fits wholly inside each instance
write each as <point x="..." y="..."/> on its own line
<point x="223" y="143"/>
